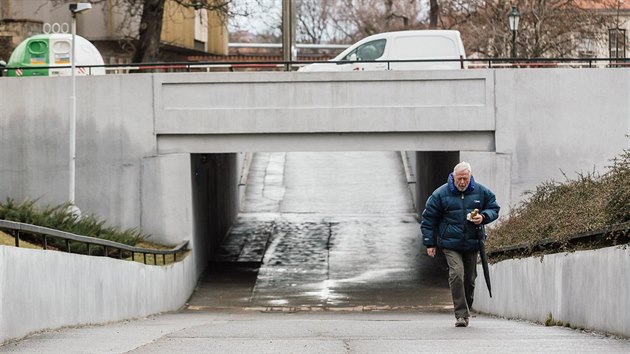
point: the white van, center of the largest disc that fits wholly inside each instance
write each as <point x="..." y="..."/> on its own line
<point x="381" y="51"/>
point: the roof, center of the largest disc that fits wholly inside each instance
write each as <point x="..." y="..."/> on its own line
<point x="603" y="5"/>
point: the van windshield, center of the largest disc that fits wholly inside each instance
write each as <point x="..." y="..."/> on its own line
<point x="367" y="51"/>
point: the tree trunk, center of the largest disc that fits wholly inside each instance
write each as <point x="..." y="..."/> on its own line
<point x="433" y="14"/>
<point x="148" y="49"/>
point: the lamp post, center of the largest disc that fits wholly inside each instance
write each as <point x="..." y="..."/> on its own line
<point x="74" y="10"/>
<point x="289" y="51"/>
<point x="513" y="19"/>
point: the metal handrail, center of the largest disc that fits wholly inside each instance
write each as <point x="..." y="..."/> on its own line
<point x="601" y="235"/>
<point x="491" y="63"/>
<point x="16" y="228"/>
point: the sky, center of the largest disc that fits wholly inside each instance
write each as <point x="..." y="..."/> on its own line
<point x="260" y="19"/>
<point x="264" y="15"/>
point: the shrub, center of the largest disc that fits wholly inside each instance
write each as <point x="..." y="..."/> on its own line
<point x="556" y="211"/>
<point x="618" y="206"/>
<point x="61" y="218"/>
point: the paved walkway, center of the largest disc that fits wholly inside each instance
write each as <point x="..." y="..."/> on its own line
<point x="328" y="230"/>
<point x="317" y="332"/>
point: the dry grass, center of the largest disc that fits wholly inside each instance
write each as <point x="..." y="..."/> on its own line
<point x="558" y="211"/>
<point x="159" y="260"/>
<point x="8" y="240"/>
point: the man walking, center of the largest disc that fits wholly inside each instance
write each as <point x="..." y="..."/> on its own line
<point x="450" y="222"/>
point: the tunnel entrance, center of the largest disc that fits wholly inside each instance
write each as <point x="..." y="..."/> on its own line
<point x="215" y="201"/>
<point x="431" y="169"/>
<point x="317" y="229"/>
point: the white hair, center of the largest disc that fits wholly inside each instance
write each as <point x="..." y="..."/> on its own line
<point x="462" y="166"/>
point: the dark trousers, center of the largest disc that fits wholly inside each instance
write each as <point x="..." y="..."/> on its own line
<point x="462" y="272"/>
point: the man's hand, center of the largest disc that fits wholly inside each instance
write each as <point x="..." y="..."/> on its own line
<point x="477" y="219"/>
<point x="431" y="251"/>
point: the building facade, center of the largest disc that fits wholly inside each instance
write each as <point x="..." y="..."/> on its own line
<point x="113" y="28"/>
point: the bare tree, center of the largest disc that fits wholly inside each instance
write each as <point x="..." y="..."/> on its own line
<point x="335" y="21"/>
<point x="150" y="30"/>
<point x="434" y="12"/>
<point x="360" y="18"/>
<point x="553" y="28"/>
<point x="314" y="19"/>
<point x="548" y="28"/>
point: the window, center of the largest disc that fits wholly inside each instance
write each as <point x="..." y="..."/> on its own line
<point x="586" y="48"/>
<point x="617" y="43"/>
<point x="368" y="51"/>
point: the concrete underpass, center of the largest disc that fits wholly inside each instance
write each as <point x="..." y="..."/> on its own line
<point x="318" y="232"/>
<point x="165" y="158"/>
<point x="318" y="229"/>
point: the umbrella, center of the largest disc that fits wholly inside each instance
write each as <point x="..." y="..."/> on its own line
<point x="484" y="258"/>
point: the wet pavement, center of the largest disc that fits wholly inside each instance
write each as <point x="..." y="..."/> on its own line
<point x="328" y="230"/>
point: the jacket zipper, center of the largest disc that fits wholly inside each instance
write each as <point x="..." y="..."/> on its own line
<point x="465" y="223"/>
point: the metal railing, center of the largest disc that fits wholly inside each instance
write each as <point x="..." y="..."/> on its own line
<point x="610" y="236"/>
<point x="275" y="65"/>
<point x="471" y="63"/>
<point x="17" y="229"/>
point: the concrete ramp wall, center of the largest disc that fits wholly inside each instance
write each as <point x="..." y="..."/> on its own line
<point x="585" y="289"/>
<point x="46" y="289"/>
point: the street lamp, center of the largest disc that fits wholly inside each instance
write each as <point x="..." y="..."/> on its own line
<point x="514" y="18"/>
<point x="74" y="10"/>
<point x="289" y="51"/>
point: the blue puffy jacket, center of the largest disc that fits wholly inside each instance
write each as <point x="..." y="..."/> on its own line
<point x="444" y="221"/>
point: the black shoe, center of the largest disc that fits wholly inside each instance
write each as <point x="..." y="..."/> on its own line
<point x="461" y="322"/>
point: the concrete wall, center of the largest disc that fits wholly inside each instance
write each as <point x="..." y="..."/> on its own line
<point x="293" y="102"/>
<point x="224" y="112"/>
<point x="136" y="132"/>
<point x="166" y="198"/>
<point x="115" y="143"/>
<point x="584" y="289"/>
<point x="120" y="176"/>
<point x="550" y="122"/>
<point x="43" y="289"/>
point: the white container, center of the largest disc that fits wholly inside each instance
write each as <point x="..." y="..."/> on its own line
<point x="51" y="55"/>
